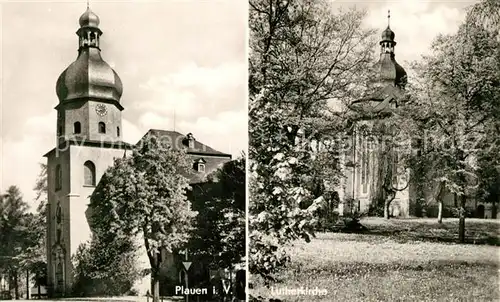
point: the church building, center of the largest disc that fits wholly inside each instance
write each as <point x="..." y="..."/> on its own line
<point x="361" y="161"/>
<point x="89" y="138"/>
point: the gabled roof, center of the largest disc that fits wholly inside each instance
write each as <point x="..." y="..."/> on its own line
<point x="178" y="140"/>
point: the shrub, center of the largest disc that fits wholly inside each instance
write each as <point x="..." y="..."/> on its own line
<point x="105" y="268"/>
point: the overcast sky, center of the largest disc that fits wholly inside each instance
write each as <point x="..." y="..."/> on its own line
<point x="189" y="55"/>
<point x="415" y="22"/>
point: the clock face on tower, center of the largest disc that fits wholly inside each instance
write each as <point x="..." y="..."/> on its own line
<point x="101" y="110"/>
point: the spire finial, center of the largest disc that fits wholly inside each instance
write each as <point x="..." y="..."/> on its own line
<point x="88" y="5"/>
<point x="388" y="17"/>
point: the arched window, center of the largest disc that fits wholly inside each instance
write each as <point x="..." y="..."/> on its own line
<point x="102" y="127"/>
<point x="58" y="177"/>
<point x="117" y="131"/>
<point x="77" y="127"/>
<point x="88" y="173"/>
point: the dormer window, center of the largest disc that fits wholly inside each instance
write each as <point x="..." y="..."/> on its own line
<point x="190" y="140"/>
<point x="199" y="165"/>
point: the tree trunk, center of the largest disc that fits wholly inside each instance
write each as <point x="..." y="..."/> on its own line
<point x="155" y="285"/>
<point x="387" y="203"/>
<point x="440" y="211"/>
<point x="154" y="261"/>
<point x="439" y="198"/>
<point x="16" y="286"/>
<point x="461" y="221"/>
<point x="27" y="284"/>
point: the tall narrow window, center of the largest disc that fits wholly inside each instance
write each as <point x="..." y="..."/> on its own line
<point x="102" y="127"/>
<point x="363" y="157"/>
<point x="118" y="131"/>
<point x="365" y="163"/>
<point x="58" y="177"/>
<point x="89" y="173"/>
<point x="201" y="167"/>
<point x="395" y="178"/>
<point x="77" y="128"/>
<point x="59" y="213"/>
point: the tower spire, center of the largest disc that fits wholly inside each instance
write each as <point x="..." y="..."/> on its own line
<point x="388" y="35"/>
<point x="89" y="31"/>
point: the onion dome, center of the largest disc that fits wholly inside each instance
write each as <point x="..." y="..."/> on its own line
<point x="89" y="18"/>
<point x="388" y="35"/>
<point x="392" y="78"/>
<point x="391" y="71"/>
<point x="89" y="76"/>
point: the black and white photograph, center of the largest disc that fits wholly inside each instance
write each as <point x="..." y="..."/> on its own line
<point x="123" y="150"/>
<point x="260" y="150"/>
<point x="374" y="146"/>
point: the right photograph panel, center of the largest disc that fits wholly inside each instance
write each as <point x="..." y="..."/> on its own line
<point x="374" y="156"/>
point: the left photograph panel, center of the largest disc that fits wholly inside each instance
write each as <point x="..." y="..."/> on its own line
<point x="123" y="139"/>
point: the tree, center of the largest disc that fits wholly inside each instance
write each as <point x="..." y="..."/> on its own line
<point x="35" y="256"/>
<point x="15" y="234"/>
<point x="303" y="56"/>
<point x="144" y="195"/>
<point x="460" y="83"/>
<point x="483" y="24"/>
<point x="219" y="236"/>
<point x="105" y="266"/>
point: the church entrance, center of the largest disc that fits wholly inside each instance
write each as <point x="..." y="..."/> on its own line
<point x="59" y="276"/>
<point x="59" y="288"/>
<point x="59" y="284"/>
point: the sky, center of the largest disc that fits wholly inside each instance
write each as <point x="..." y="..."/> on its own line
<point x="415" y="22"/>
<point x="187" y="56"/>
<point x="182" y="56"/>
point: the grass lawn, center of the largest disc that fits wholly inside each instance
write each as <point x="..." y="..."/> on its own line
<point x="396" y="260"/>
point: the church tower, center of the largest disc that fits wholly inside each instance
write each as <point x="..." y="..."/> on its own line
<point x="391" y="73"/>
<point x="368" y="116"/>
<point x="89" y="138"/>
